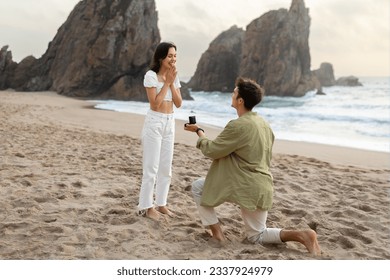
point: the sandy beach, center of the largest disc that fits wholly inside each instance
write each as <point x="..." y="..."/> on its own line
<point x="70" y="177"/>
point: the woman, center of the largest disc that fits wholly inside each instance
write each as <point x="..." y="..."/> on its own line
<point x="162" y="86"/>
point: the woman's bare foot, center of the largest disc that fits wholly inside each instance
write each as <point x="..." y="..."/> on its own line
<point x="216" y="243"/>
<point x="164" y="210"/>
<point x="218" y="238"/>
<point x="152" y="214"/>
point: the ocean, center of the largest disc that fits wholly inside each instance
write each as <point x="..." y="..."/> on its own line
<point x="356" y="117"/>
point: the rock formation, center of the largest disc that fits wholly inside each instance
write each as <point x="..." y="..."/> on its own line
<point x="219" y="65"/>
<point x="102" y="51"/>
<point x="350" y="81"/>
<point x="326" y="77"/>
<point x="7" y="67"/>
<point x="275" y="53"/>
<point x="325" y="74"/>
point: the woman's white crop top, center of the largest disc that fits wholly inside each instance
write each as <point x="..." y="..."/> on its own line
<point x="151" y="80"/>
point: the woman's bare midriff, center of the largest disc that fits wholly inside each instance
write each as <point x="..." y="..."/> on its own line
<point x="166" y="107"/>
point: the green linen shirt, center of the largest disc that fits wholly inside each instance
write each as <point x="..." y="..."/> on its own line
<point x="240" y="171"/>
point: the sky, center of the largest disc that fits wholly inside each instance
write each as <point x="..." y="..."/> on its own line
<point x="352" y="35"/>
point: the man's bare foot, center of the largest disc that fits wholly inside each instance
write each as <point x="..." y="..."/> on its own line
<point x="309" y="239"/>
<point x="164" y="210"/>
<point x="306" y="237"/>
<point x="152" y="214"/>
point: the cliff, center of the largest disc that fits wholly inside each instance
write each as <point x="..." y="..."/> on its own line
<point x="218" y="66"/>
<point x="102" y="51"/>
<point x="274" y="52"/>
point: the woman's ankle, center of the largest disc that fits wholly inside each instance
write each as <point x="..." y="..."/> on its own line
<point x="152" y="213"/>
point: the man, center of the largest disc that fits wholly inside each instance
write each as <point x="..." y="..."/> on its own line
<point x="240" y="173"/>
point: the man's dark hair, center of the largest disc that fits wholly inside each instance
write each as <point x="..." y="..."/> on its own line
<point x="160" y="54"/>
<point x="250" y="91"/>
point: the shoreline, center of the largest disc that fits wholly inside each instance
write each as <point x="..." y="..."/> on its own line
<point x="131" y="124"/>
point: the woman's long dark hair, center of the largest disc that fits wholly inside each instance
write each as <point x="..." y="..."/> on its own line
<point x="160" y="53"/>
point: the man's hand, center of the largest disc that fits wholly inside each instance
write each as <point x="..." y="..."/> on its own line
<point x="191" y="127"/>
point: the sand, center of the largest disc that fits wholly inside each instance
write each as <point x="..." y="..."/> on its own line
<point x="70" y="178"/>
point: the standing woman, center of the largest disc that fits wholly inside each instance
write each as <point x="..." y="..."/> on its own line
<point x="162" y="86"/>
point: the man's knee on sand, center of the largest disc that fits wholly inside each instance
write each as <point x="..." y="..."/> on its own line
<point x="268" y="236"/>
<point x="197" y="187"/>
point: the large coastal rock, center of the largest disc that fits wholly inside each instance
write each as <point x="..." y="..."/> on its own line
<point x="24" y="76"/>
<point x="326" y="77"/>
<point x="102" y="51"/>
<point x="274" y="52"/>
<point x="325" y="74"/>
<point x="7" y="67"/>
<point x="219" y="65"/>
<point x="349" y="81"/>
<point x="104" y="48"/>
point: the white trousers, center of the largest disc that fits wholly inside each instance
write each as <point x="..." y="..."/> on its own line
<point x="255" y="221"/>
<point x="157" y="141"/>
